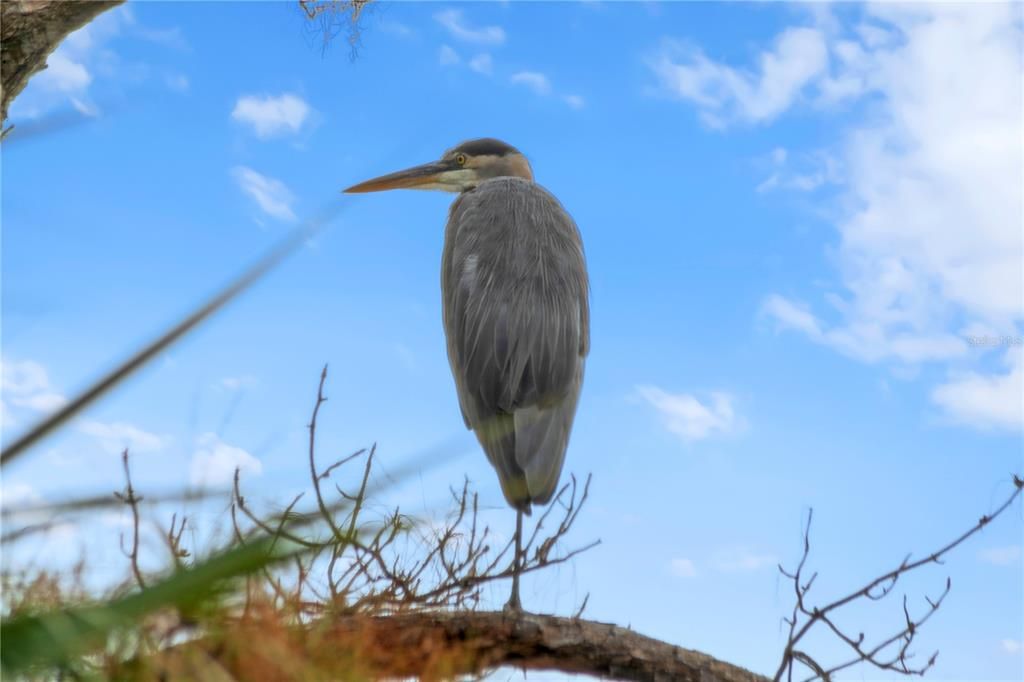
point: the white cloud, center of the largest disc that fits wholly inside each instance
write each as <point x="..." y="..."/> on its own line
<point x="167" y="37"/>
<point x="1001" y="556"/>
<point x="574" y="101"/>
<point x="23" y="378"/>
<point x="115" y="437"/>
<point x="214" y="462"/>
<point x="742" y="560"/>
<point x="272" y="116"/>
<point x="41" y="402"/>
<point x="537" y="82"/>
<point x="64" y="74"/>
<point x="866" y="340"/>
<point x="84" y="107"/>
<point x="236" y="383"/>
<point x="19" y="495"/>
<point x="724" y="94"/>
<point x="683" y="568"/>
<point x="85" y="56"/>
<point x="689" y="418"/>
<point x="482" y="63"/>
<point x="803" y="173"/>
<point x="985" y="401"/>
<point x="930" y="183"/>
<point x="447" y="56"/>
<point x="122" y="22"/>
<point x="790" y="315"/>
<point x="26" y="384"/>
<point x="1010" y="646"/>
<point x="454" y="22"/>
<point x="272" y="196"/>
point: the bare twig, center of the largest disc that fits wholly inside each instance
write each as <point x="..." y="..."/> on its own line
<point x="129" y="498"/>
<point x="334" y="17"/>
<point x="892" y="652"/>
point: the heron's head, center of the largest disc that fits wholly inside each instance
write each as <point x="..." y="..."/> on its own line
<point x="460" y="169"/>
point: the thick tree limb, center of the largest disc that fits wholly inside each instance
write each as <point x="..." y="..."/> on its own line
<point x="30" y="30"/>
<point x="472" y="642"/>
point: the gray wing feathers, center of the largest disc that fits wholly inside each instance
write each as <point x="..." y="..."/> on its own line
<point x="516" y="319"/>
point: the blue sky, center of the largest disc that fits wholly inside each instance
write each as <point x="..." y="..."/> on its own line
<point x="802" y="226"/>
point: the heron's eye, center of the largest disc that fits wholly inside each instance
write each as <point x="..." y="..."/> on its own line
<point x="460" y="159"/>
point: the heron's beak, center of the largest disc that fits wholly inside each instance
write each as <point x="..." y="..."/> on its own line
<point x="440" y="175"/>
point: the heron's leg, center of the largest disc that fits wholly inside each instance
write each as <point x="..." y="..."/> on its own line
<point x="513" y="602"/>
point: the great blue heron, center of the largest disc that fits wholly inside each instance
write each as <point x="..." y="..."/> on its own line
<point x="516" y="314"/>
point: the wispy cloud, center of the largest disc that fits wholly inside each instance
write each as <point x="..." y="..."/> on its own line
<point x="940" y="152"/>
<point x="214" y="462"/>
<point x="63" y="74"/>
<point x="806" y="174"/>
<point x="40" y="402"/>
<point x="455" y="23"/>
<point x="124" y="20"/>
<point x="86" y="55"/>
<point x="867" y="342"/>
<point x="271" y="195"/>
<point x="114" y="437"/>
<point x="742" y="560"/>
<point x="482" y="63"/>
<point x="1001" y="556"/>
<point x="683" y="568"/>
<point x="986" y="400"/>
<point x="534" y="80"/>
<point x="574" y="101"/>
<point x="541" y="85"/>
<point x="168" y="37"/>
<point x="447" y="56"/>
<point x="788" y="314"/>
<point x="689" y="418"/>
<point x="1010" y="646"/>
<point x="237" y="383"/>
<point x="724" y="94"/>
<point x="85" y="107"/>
<point x="270" y="116"/>
<point x="18" y="494"/>
<point x="26" y="384"/>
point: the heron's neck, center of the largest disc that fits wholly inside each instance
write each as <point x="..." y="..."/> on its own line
<point x="517" y="166"/>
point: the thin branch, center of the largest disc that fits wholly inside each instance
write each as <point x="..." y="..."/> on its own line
<point x="803" y="618"/>
<point x="129" y="498"/>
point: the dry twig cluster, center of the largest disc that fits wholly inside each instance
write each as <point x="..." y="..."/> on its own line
<point x="334" y="17"/>
<point x="891" y="653"/>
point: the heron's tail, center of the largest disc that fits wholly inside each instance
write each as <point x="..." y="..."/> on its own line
<point x="541" y="438"/>
<point x="527" y="448"/>
<point x="497" y="436"/>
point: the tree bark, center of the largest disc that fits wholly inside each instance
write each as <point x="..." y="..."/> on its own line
<point x="472" y="642"/>
<point x="30" y="30"/>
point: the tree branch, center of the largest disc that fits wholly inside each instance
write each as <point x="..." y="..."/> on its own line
<point x="443" y="645"/>
<point x="31" y="31"/>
